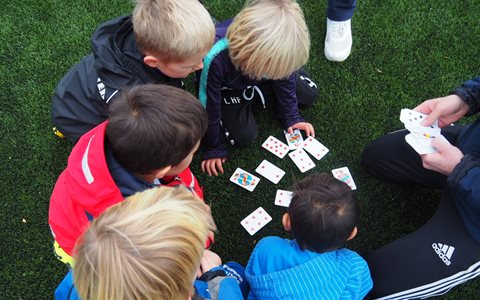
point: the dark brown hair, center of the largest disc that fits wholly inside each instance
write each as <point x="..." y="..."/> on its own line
<point x="153" y="126"/>
<point x="323" y="213"/>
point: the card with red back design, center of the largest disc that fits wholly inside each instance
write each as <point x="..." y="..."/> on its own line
<point x="275" y="146"/>
<point x="256" y="220"/>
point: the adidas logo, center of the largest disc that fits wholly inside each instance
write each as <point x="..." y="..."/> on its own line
<point x="444" y="252"/>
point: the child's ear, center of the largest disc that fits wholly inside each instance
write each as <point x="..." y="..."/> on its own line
<point x="160" y="173"/>
<point x="286" y="222"/>
<point x="151" y="61"/>
<point x="353" y="234"/>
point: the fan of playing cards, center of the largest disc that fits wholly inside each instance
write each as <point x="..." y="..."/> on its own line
<point x="299" y="148"/>
<point x="420" y="137"/>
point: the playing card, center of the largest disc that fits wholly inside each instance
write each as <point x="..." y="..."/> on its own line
<point x="283" y="198"/>
<point x="344" y="175"/>
<point x="244" y="179"/>
<point x="418" y="147"/>
<point x="270" y="171"/>
<point x="294" y="140"/>
<point x="256" y="220"/>
<point x="421" y="144"/>
<point x="412" y="120"/>
<point x="275" y="146"/>
<point x="302" y="160"/>
<point x="315" y="148"/>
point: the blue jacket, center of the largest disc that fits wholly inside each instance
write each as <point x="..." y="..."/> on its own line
<point x="279" y="269"/>
<point x="222" y="74"/>
<point x="464" y="181"/>
<point x="221" y="283"/>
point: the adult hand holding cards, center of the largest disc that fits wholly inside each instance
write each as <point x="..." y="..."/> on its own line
<point x="420" y="137"/>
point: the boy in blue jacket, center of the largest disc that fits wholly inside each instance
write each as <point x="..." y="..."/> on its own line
<point x="151" y="246"/>
<point x="322" y="216"/>
<point x="256" y="57"/>
<point x="445" y="252"/>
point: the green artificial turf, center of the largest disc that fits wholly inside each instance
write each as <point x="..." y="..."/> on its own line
<point x="404" y="52"/>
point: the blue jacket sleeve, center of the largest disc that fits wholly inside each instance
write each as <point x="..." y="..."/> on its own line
<point x="469" y="91"/>
<point x="465" y="184"/>
<point x="287" y="104"/>
<point x="216" y="284"/>
<point x="360" y="282"/>
<point x="213" y="146"/>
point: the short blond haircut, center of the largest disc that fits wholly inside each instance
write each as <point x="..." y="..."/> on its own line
<point x="172" y="30"/>
<point x="269" y="39"/>
<point x="146" y="247"/>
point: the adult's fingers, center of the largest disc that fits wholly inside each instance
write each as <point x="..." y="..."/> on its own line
<point x="431" y="118"/>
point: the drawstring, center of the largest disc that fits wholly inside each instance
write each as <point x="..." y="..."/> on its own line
<point x="252" y="94"/>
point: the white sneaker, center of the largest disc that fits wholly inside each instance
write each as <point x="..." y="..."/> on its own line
<point x="338" y="40"/>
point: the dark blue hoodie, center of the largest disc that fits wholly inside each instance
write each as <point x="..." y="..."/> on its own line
<point x="464" y="181"/>
<point x="224" y="75"/>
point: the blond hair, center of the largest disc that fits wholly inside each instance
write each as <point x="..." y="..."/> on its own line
<point x="146" y="247"/>
<point x="172" y="30"/>
<point x="269" y="39"/>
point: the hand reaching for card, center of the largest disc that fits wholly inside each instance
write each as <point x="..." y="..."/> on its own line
<point x="444" y="160"/>
<point x="447" y="110"/>
<point x="307" y="127"/>
<point x="213" y="166"/>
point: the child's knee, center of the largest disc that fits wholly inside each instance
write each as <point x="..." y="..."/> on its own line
<point x="245" y="137"/>
<point x="307" y="90"/>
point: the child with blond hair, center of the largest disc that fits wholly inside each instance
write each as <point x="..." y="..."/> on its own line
<point x="322" y="216"/>
<point x="258" y="55"/>
<point x="162" y="42"/>
<point x="150" y="246"/>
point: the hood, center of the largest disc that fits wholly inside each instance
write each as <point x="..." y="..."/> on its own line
<point x="118" y="61"/>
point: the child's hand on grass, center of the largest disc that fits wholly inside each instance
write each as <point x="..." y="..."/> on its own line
<point x="307" y="127"/>
<point x="213" y="166"/>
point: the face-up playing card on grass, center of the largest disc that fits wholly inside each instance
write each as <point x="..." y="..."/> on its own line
<point x="244" y="179"/>
<point x="315" y="148"/>
<point x="302" y="160"/>
<point x="256" y="220"/>
<point x="283" y="198"/>
<point x="344" y="175"/>
<point x="270" y="171"/>
<point x="294" y="139"/>
<point x="275" y="146"/>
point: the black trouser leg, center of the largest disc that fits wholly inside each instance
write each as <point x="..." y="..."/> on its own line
<point x="430" y="261"/>
<point x="391" y="158"/>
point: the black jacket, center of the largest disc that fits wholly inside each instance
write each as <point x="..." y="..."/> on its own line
<point x="81" y="98"/>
